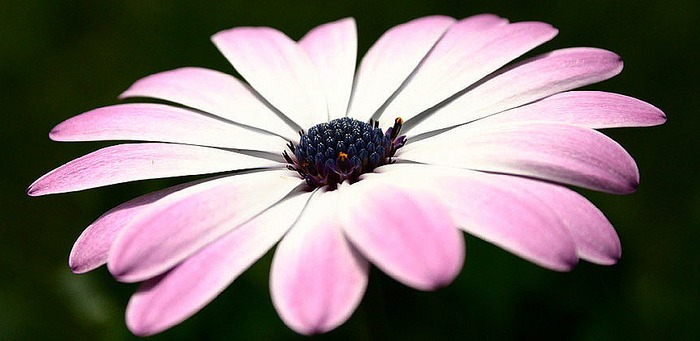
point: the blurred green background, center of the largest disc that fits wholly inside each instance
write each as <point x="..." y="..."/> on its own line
<point x="61" y="58"/>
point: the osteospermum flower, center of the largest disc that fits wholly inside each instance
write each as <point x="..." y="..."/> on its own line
<point x="434" y="134"/>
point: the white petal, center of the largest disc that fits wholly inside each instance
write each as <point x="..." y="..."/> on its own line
<point x="528" y="81"/>
<point x="593" y="109"/>
<point x="391" y="60"/>
<point x="141" y="161"/>
<point x="553" y="152"/>
<point x="498" y="209"/>
<point x="470" y="50"/>
<point x="405" y="230"/>
<point x="595" y="238"/>
<point x="317" y="279"/>
<point x="277" y="68"/>
<point x="90" y="250"/>
<point x="168" y="300"/>
<point x="178" y="225"/>
<point x="213" y="92"/>
<point x="333" y="49"/>
<point x="162" y="123"/>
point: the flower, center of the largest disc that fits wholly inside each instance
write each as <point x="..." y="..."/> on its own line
<point x="436" y="133"/>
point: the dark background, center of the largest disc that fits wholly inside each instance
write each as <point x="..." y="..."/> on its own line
<point x="61" y="58"/>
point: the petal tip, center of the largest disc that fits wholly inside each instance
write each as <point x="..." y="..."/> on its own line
<point x="660" y="117"/>
<point x="611" y="256"/>
<point x="34" y="190"/>
<point x="145" y="316"/>
<point x="311" y="329"/>
<point x="76" y="269"/>
<point x="124" y="95"/>
<point x="55" y="134"/>
<point x="139" y="328"/>
<point x="76" y="266"/>
<point x="629" y="186"/>
<point x="130" y="92"/>
<point x="633" y="185"/>
<point x="437" y="283"/>
<point x="31" y="192"/>
<point x="80" y="265"/>
<point x="347" y="21"/>
<point x="442" y="277"/>
<point x="566" y="265"/>
<point x="612" y="260"/>
<point x="620" y="62"/>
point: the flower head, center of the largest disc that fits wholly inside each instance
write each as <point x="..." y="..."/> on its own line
<point x="436" y="133"/>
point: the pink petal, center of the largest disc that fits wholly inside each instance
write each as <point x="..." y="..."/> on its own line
<point x="162" y="123"/>
<point x="165" y="301"/>
<point x="90" y="250"/>
<point x="470" y="50"/>
<point x="213" y="92"/>
<point x="554" y="152"/>
<point x="498" y="209"/>
<point x="391" y="60"/>
<point x="595" y="238"/>
<point x="593" y="109"/>
<point x="406" y="231"/>
<point x="528" y="81"/>
<point x="184" y="222"/>
<point x="278" y="69"/>
<point x="131" y="162"/>
<point x="317" y="279"/>
<point x="333" y="49"/>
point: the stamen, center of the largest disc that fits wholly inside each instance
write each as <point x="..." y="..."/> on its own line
<point x="396" y="129"/>
<point x="342" y="150"/>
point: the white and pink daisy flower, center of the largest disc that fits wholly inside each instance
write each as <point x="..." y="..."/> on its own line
<point x="434" y="134"/>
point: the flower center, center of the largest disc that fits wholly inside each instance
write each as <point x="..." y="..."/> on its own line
<point x="342" y="149"/>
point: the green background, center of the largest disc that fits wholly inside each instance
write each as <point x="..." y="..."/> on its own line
<point x="61" y="58"/>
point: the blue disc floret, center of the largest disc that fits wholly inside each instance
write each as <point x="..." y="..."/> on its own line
<point x="342" y="149"/>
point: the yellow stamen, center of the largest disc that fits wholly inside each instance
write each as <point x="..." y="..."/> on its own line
<point x="398" y="122"/>
<point x="342" y="156"/>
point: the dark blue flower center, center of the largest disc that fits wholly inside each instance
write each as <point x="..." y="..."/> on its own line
<point x="342" y="149"/>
